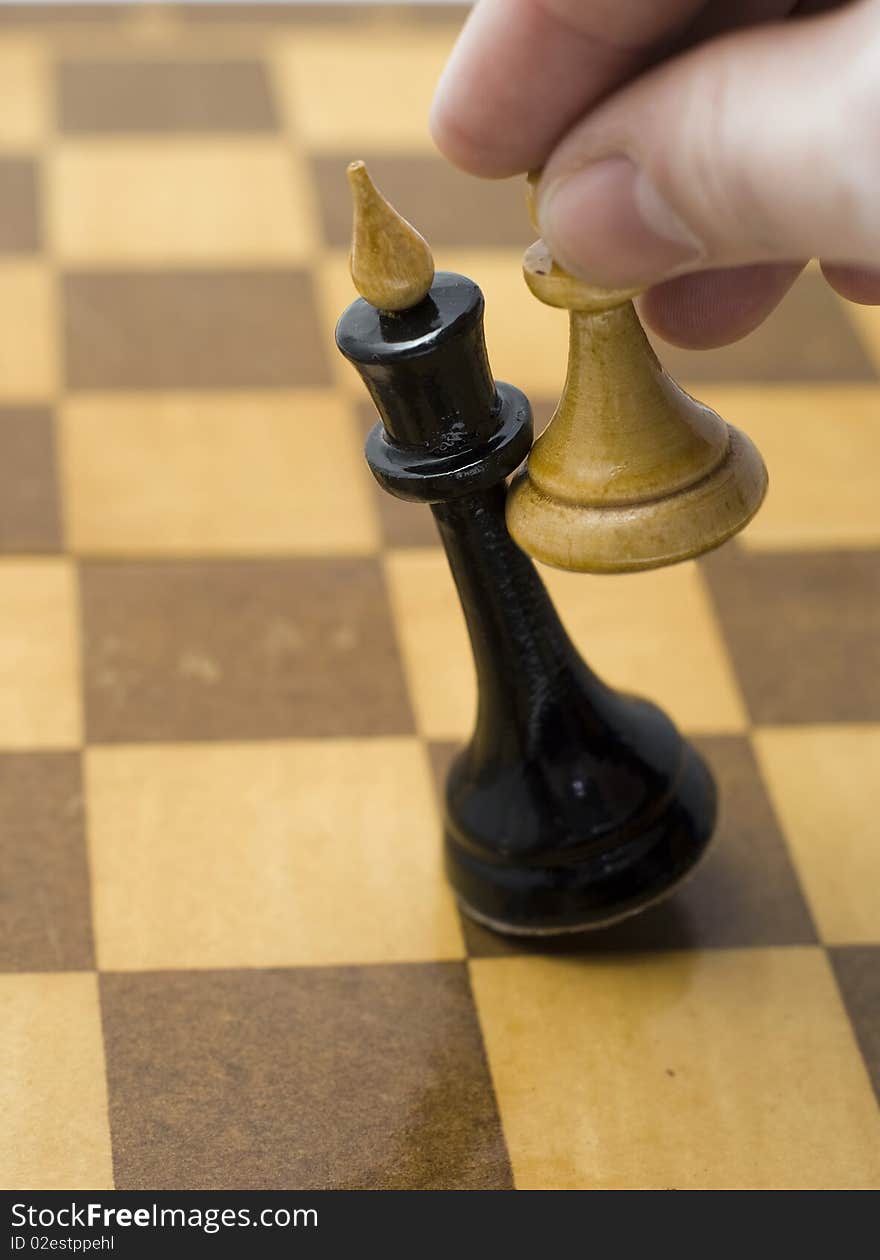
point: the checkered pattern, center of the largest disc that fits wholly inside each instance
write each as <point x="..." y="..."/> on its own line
<point x="232" y="673"/>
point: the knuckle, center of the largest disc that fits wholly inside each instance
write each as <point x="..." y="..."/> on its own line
<point x="715" y="183"/>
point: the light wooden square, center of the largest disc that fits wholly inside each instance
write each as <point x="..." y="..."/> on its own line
<point x="179" y="202"/>
<point x="28" y="347"/>
<point x="823" y="783"/>
<point x="527" y="341"/>
<point x="821" y="444"/>
<point x="39" y="655"/>
<point x="53" y="1096"/>
<point x="266" y="855"/>
<point x="654" y="634"/>
<point x="202" y="474"/>
<point x="722" y="1070"/>
<point x="373" y="93"/>
<point x="650" y="633"/>
<point x="24" y="119"/>
<point x="866" y="320"/>
<point x="434" y="643"/>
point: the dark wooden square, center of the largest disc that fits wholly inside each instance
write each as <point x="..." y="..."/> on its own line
<point x="261" y="649"/>
<point x="20" y="222"/>
<point x="161" y="96"/>
<point x="368" y="1077"/>
<point x="857" y="968"/>
<point x="803" y="630"/>
<point x="192" y="330"/>
<point x="45" y="915"/>
<point x="29" y="505"/>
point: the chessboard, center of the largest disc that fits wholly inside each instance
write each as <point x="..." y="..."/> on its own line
<point x="233" y="674"/>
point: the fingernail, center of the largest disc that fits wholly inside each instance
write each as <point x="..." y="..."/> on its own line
<point x="608" y="223"/>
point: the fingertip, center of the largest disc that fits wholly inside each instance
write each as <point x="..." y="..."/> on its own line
<point x="856" y="284"/>
<point x="517" y="79"/>
<point x="444" y="124"/>
<point x="469" y="117"/>
<point x="460" y="145"/>
<point x="708" y="309"/>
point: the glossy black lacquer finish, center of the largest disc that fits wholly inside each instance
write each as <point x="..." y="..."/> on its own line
<point x="572" y="805"/>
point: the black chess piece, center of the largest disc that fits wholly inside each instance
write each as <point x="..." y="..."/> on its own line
<point x="573" y="805"/>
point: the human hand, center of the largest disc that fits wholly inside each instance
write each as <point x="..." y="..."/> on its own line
<point x="704" y="148"/>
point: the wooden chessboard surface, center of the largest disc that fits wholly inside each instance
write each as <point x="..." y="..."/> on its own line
<point x="232" y="673"/>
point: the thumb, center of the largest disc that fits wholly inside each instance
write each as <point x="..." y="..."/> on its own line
<point x="763" y="145"/>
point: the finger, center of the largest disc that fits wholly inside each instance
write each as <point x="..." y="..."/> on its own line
<point x="713" y="308"/>
<point x="856" y="284"/>
<point x="726" y="156"/>
<point x="523" y="71"/>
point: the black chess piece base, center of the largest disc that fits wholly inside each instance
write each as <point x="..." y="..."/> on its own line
<point x="596" y="889"/>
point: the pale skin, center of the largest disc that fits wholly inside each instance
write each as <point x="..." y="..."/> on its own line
<point x="703" y="149"/>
